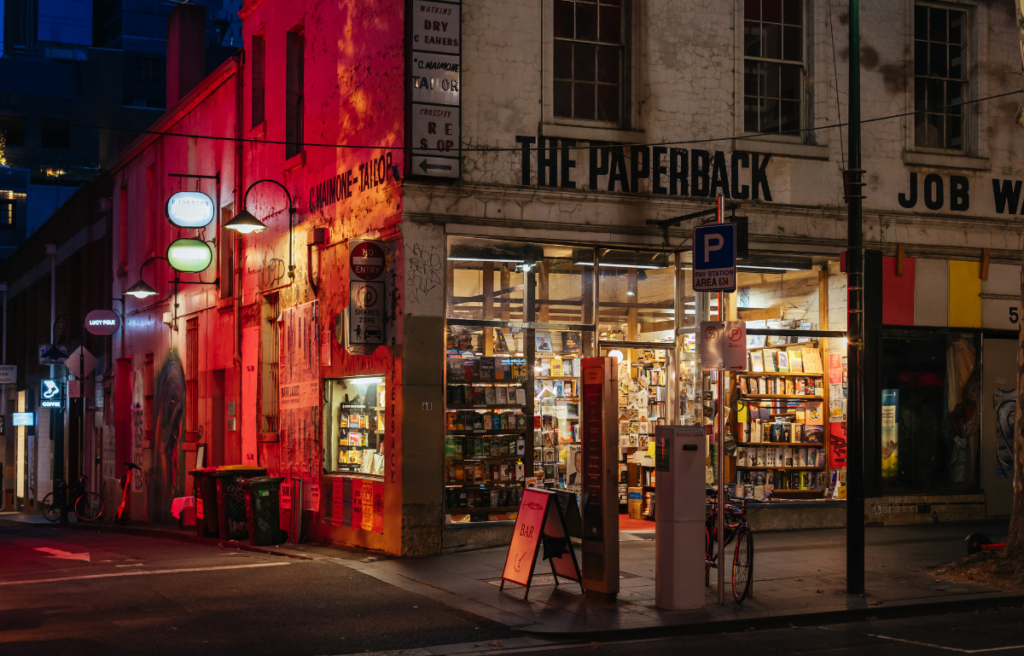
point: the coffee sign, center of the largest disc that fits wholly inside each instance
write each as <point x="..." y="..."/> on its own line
<point x="190" y="209"/>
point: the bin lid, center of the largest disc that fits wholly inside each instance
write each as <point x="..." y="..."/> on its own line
<point x="238" y="471"/>
<point x="261" y="481"/>
<point x="203" y="471"/>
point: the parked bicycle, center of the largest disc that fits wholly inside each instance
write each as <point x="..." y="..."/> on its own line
<point x="736" y="531"/>
<point x="88" y="506"/>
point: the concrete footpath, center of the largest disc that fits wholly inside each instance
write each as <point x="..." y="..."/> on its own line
<point x="799" y="577"/>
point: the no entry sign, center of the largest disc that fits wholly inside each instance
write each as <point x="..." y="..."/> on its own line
<point x="366" y="260"/>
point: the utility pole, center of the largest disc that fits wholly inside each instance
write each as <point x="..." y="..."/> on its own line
<point x="855" y="327"/>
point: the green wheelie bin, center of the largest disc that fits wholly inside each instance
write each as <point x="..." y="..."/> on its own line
<point x="262" y="510"/>
<point x="231" y="500"/>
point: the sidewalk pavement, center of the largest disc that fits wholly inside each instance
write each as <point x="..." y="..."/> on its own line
<point x="799" y="577"/>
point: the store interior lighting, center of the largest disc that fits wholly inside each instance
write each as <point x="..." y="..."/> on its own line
<point x="370" y="380"/>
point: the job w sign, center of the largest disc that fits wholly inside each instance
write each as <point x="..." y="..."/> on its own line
<point x="714" y="258"/>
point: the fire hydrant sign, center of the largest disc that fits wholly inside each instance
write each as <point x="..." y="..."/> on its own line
<point x="366" y="295"/>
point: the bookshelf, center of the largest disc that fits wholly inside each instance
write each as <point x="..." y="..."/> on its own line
<point x="780" y="422"/>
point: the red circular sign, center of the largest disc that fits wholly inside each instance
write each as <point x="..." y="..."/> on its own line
<point x="366" y="262"/>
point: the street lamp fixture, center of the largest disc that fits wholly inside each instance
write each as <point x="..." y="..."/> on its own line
<point x="140" y="290"/>
<point x="244" y="222"/>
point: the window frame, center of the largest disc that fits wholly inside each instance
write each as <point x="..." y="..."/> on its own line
<point x="970" y="118"/>
<point x="804" y="119"/>
<point x="5" y="203"/>
<point x="295" y="83"/>
<point x="631" y="75"/>
<point x="258" y="80"/>
<point x="817" y="99"/>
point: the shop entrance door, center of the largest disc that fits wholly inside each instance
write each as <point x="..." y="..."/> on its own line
<point x="999" y="365"/>
<point x="647" y="388"/>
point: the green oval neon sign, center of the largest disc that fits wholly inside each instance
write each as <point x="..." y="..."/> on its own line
<point x="189" y="255"/>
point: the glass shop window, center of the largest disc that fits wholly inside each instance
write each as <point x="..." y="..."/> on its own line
<point x="353" y="424"/>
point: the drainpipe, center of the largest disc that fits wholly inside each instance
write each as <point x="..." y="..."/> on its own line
<point x="239" y="154"/>
<point x="51" y="250"/>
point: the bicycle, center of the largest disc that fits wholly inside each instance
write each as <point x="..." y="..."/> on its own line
<point x="88" y="506"/>
<point x="736" y="530"/>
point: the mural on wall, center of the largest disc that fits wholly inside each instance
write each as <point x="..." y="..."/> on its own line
<point x="1005" y="402"/>
<point x="138" y="386"/>
<point x="168" y="413"/>
<point x="166" y="478"/>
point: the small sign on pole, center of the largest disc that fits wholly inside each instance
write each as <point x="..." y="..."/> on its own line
<point x="723" y="345"/>
<point x="366" y="269"/>
<point x="8" y="374"/>
<point x="714" y="258"/>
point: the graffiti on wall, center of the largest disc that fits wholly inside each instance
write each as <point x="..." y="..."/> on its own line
<point x="426" y="271"/>
<point x="1005" y="402"/>
<point x="168" y="414"/>
<point x="138" y="420"/>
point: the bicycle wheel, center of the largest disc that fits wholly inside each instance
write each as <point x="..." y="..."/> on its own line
<point x="50" y="511"/>
<point x="742" y="564"/>
<point x="89" y="507"/>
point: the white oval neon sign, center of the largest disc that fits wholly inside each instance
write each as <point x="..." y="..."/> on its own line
<point x="190" y="209"/>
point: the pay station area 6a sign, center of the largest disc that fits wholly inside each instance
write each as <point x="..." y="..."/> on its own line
<point x="714" y="258"/>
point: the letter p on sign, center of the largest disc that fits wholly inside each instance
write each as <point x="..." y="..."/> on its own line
<point x="712" y="243"/>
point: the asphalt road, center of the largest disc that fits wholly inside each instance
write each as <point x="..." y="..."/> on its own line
<point x="83" y="593"/>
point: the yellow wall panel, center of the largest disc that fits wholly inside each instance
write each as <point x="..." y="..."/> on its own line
<point x="964" y="294"/>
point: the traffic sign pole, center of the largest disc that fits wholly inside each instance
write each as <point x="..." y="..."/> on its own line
<point x="721" y="437"/>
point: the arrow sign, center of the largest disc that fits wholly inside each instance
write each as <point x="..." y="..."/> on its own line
<point x="65" y="555"/>
<point x="433" y="167"/>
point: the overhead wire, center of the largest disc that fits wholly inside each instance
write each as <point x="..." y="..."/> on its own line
<point x="521" y="148"/>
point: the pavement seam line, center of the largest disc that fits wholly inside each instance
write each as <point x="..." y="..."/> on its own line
<point x="943" y="647"/>
<point x="144" y="573"/>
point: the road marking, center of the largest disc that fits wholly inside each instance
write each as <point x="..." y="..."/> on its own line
<point x="956" y="649"/>
<point x="56" y="553"/>
<point x="131" y="565"/>
<point x="143" y="573"/>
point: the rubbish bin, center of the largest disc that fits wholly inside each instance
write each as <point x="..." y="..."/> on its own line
<point x="204" y="487"/>
<point x="231" y="500"/>
<point x="262" y="510"/>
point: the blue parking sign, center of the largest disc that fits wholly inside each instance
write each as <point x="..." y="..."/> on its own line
<point x="714" y="258"/>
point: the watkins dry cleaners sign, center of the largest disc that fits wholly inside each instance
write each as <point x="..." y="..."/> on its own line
<point x="435" y="71"/>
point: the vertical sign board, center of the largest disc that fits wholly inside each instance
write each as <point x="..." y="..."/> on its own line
<point x="600" y="478"/>
<point x="435" y="79"/>
<point x="366" y="271"/>
<point x="540" y="519"/>
<point x="723" y="345"/>
<point x="714" y="258"/>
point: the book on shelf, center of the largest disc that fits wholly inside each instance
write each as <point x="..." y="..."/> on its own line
<point x="770" y="356"/>
<point x="796" y="360"/>
<point x="545" y="367"/>
<point x="456" y="369"/>
<point x="570" y="342"/>
<point x="502" y="344"/>
<point x="542" y="341"/>
<point x="490" y="396"/>
<point x="556" y="366"/>
<point x="814" y="433"/>
<point x="782" y="361"/>
<point x="757" y="361"/>
<point x="519" y="373"/>
<point x="815" y="412"/>
<point x="812" y="360"/>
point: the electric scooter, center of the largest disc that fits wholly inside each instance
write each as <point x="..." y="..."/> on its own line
<point x="977" y="542"/>
<point x="123" y="515"/>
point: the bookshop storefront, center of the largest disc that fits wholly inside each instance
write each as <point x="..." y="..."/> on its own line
<point x="519" y="318"/>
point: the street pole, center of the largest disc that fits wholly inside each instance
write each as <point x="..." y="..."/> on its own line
<point x="855" y="328"/>
<point x="721" y="449"/>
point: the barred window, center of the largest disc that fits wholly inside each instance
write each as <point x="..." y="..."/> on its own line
<point x="940" y="76"/>
<point x="588" y="59"/>
<point x="773" y="63"/>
